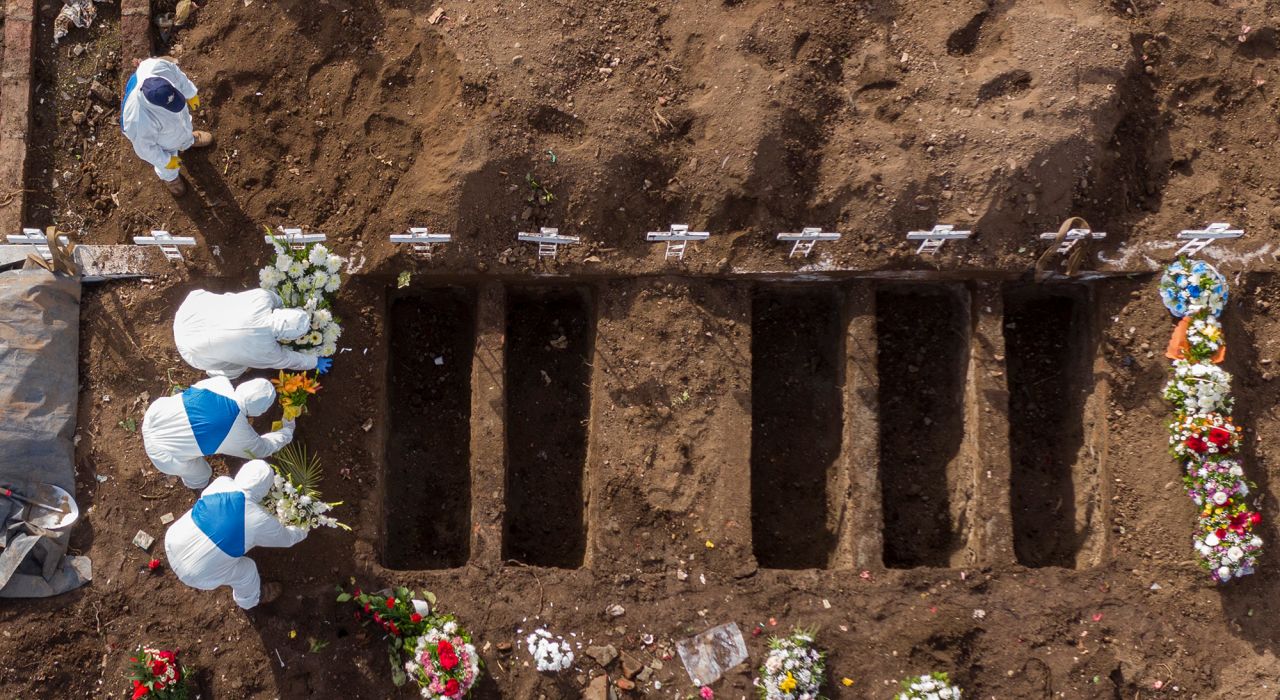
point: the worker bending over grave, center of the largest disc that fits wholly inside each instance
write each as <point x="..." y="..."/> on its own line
<point x="206" y="547"/>
<point x="155" y="115"/>
<point x="211" y="417"/>
<point x="225" y="334"/>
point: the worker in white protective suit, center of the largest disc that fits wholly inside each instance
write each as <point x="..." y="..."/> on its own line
<point x="225" y="334"/>
<point x="211" y="417"/>
<point x="206" y="547"/>
<point x="155" y="115"/>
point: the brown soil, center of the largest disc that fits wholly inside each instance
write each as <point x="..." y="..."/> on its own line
<point x="1028" y="572"/>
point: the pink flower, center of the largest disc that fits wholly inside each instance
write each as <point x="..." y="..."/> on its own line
<point x="707" y="693"/>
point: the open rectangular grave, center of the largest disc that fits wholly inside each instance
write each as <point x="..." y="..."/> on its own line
<point x="797" y="353"/>
<point x="1053" y="482"/>
<point x="427" y="489"/>
<point x="549" y="333"/>
<point x="923" y="336"/>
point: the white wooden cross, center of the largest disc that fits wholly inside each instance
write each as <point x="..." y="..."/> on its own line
<point x="1199" y="240"/>
<point x="421" y="240"/>
<point x="295" y="238"/>
<point x="37" y="238"/>
<point x="804" y="241"/>
<point x="168" y="244"/>
<point x="1074" y="236"/>
<point x="549" y="241"/>
<point x="676" y="239"/>
<point x="931" y="241"/>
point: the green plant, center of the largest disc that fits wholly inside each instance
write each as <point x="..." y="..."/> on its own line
<point x="316" y="645"/>
<point x="129" y="424"/>
<point x="300" y="467"/>
<point x="538" y="192"/>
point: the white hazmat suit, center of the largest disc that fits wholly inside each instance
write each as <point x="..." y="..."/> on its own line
<point x="211" y="417"/>
<point x="206" y="546"/>
<point x="158" y="132"/>
<point x="225" y="334"/>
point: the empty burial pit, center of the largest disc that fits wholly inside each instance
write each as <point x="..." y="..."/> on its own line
<point x="796" y="419"/>
<point x="427" y="492"/>
<point x="1047" y="341"/>
<point x="922" y="360"/>
<point x="548" y="377"/>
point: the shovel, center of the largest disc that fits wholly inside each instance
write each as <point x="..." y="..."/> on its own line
<point x="58" y="516"/>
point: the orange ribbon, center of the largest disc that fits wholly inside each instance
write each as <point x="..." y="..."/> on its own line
<point x="1178" y="345"/>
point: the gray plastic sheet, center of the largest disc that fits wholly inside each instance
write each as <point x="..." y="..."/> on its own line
<point x="39" y="378"/>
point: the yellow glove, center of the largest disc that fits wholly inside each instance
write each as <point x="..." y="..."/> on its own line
<point x="194" y="103"/>
<point x="173" y="163"/>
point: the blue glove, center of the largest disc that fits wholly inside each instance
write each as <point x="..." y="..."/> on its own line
<point x="323" y="364"/>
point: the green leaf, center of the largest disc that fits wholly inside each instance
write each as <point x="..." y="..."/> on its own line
<point x="344" y="597"/>
<point x="300" y="467"/>
<point x="402" y="280"/>
<point x="431" y="598"/>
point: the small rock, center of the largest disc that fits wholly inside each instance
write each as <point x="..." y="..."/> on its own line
<point x="143" y="541"/>
<point x="100" y="92"/>
<point x="77" y="117"/>
<point x="598" y="689"/>
<point x="630" y="666"/>
<point x="625" y="684"/>
<point x="603" y="655"/>
<point x="644" y="675"/>
<point x="166" y="518"/>
<point x="1155" y="586"/>
<point x="504" y="647"/>
<point x="615" y="610"/>
<point x="517" y="60"/>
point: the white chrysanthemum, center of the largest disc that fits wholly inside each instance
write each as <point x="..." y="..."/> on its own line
<point x="297" y="269"/>
<point x="318" y="255"/>
<point x="283" y="262"/>
<point x="333" y="284"/>
<point x="334" y="263"/>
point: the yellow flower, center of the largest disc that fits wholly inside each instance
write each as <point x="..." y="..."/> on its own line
<point x="788" y="684"/>
<point x="847" y="682"/>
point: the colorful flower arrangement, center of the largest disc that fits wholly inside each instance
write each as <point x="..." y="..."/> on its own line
<point x="793" y="670"/>
<point x="423" y="644"/>
<point x="292" y="390"/>
<point x="933" y="686"/>
<point x="305" y="279"/>
<point x="155" y="673"/>
<point x="293" y="498"/>
<point x="443" y="660"/>
<point x="550" y="653"/>
<point x="1193" y="287"/>
<point x="1202" y="434"/>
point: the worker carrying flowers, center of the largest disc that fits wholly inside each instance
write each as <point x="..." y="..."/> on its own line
<point x="155" y="115"/>
<point x="206" y="547"/>
<point x="211" y="417"/>
<point x="225" y="334"/>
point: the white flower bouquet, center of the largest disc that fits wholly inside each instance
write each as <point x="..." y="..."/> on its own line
<point x="793" y="670"/>
<point x="293" y="498"/>
<point x="307" y="279"/>
<point x="552" y="654"/>
<point x="934" y="686"/>
<point x="1199" y="387"/>
<point x="1189" y="287"/>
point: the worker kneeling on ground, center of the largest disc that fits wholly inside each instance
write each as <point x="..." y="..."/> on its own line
<point x="155" y="115"/>
<point x="225" y="334"/>
<point x="209" y="418"/>
<point x="206" y="546"/>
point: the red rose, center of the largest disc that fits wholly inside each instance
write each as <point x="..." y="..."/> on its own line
<point x="391" y="603"/>
<point x="357" y="593"/>
<point x="1195" y="444"/>
<point x="452" y="688"/>
<point x="154" y="564"/>
<point x="1255" y="518"/>
<point x="448" y="657"/>
<point x="395" y="630"/>
<point x="1219" y="436"/>
<point x="415" y="618"/>
<point x="1220" y="532"/>
<point x="377" y="618"/>
<point x="139" y="690"/>
<point x="158" y="667"/>
<point x="367" y="608"/>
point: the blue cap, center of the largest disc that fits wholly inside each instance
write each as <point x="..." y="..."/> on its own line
<point x="162" y="93"/>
